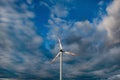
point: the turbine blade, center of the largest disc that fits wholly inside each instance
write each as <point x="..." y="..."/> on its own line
<point x="55" y="57"/>
<point x="71" y="53"/>
<point x="60" y="44"/>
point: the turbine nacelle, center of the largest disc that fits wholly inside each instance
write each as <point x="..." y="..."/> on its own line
<point x="61" y="51"/>
<point x="60" y="55"/>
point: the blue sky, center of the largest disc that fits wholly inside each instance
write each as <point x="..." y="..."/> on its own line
<point x="28" y="39"/>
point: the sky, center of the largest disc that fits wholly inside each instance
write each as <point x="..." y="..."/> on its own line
<point x="29" y="31"/>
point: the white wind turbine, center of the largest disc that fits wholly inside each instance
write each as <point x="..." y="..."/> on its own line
<point x="60" y="54"/>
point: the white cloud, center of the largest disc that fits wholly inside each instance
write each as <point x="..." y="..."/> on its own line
<point x="29" y="1"/>
<point x="84" y="26"/>
<point x="104" y="59"/>
<point x="59" y="11"/>
<point x="115" y="77"/>
<point x="111" y="21"/>
<point x="45" y="4"/>
<point x="17" y="32"/>
<point x="101" y="3"/>
<point x="19" y="42"/>
<point x="7" y="79"/>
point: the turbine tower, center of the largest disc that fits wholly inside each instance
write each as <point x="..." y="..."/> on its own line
<point x="60" y="54"/>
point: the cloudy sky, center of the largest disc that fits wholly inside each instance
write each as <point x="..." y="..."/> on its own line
<point x="28" y="39"/>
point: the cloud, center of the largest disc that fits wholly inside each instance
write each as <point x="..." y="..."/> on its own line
<point x="101" y="3"/>
<point x="20" y="51"/>
<point x="115" y="77"/>
<point x="29" y="1"/>
<point x="22" y="54"/>
<point x="111" y="21"/>
<point x="59" y="11"/>
<point x="96" y="42"/>
<point x="56" y="9"/>
<point x="45" y="4"/>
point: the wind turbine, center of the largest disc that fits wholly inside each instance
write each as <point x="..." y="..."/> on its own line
<point x="60" y="54"/>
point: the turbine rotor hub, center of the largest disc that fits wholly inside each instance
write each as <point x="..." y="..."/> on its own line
<point x="61" y="50"/>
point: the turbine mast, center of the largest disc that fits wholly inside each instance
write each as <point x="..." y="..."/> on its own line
<point x="60" y="54"/>
<point x="61" y="66"/>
